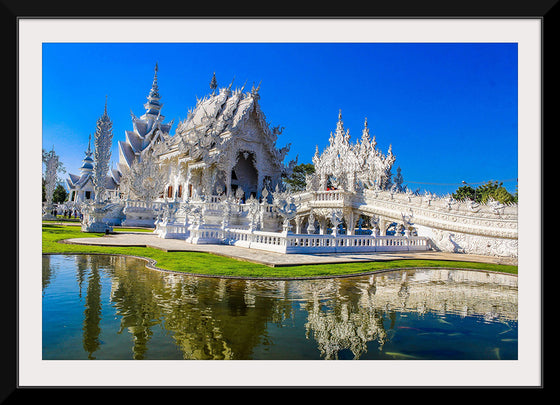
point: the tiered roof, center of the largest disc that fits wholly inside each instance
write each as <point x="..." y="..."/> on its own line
<point x="148" y="129"/>
<point x="218" y="119"/>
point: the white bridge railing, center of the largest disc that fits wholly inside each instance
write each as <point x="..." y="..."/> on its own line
<point x="354" y="243"/>
<point x="307" y="243"/>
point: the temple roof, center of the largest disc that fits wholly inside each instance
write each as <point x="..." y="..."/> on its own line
<point x="76" y="182"/>
<point x="147" y="130"/>
<point x="73" y="180"/>
<point x="219" y="112"/>
<point x="126" y="154"/>
<point x="87" y="165"/>
<point x="219" y="118"/>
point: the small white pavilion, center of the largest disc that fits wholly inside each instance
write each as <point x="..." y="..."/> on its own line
<point x="81" y="186"/>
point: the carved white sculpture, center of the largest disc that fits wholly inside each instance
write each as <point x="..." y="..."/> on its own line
<point x="95" y="210"/>
<point x="102" y="141"/>
<point x="284" y="203"/>
<point x="351" y="166"/>
<point x="144" y="180"/>
<point x="51" y="161"/>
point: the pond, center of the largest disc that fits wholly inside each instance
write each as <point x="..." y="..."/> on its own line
<point x="114" y="308"/>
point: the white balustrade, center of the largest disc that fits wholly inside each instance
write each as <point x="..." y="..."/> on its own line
<point x="304" y="243"/>
<point x="353" y="243"/>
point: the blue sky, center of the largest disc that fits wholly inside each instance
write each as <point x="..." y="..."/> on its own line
<point x="448" y="110"/>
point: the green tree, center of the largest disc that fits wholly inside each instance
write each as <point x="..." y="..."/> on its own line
<point x="495" y="190"/>
<point x="464" y="193"/>
<point x="491" y="189"/>
<point x="59" y="194"/>
<point x="296" y="181"/>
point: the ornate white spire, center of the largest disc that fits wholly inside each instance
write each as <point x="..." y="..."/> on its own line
<point x="88" y="151"/>
<point x="154" y="92"/>
<point x="153" y="105"/>
<point x="87" y="165"/>
<point x="348" y="166"/>
<point x="340" y="136"/>
<point x="340" y="123"/>
<point x="102" y="142"/>
<point x="148" y="130"/>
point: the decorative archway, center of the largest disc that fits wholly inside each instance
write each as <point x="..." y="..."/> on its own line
<point x="244" y="174"/>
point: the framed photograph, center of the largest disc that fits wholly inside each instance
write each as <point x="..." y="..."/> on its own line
<point x="266" y="142"/>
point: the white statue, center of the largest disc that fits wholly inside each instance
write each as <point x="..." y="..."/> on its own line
<point x="51" y="161"/>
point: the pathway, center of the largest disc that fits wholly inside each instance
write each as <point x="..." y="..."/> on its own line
<point x="274" y="259"/>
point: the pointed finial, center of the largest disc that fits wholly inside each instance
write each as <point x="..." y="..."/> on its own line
<point x="213" y="83"/>
<point x="339" y="124"/>
<point x="155" y="76"/>
<point x="153" y="106"/>
<point x="154" y="90"/>
<point x="105" y="111"/>
<point x="365" y="132"/>
<point x="256" y="89"/>
<point x="88" y="152"/>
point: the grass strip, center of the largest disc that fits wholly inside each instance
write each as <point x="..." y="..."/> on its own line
<point x="213" y="265"/>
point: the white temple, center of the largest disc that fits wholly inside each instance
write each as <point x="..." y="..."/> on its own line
<point x="224" y="146"/>
<point x="218" y="179"/>
<point x="81" y="187"/>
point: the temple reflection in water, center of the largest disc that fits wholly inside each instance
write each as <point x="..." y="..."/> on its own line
<point x="210" y="318"/>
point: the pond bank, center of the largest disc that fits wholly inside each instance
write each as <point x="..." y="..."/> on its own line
<point x="273" y="259"/>
<point x="207" y="260"/>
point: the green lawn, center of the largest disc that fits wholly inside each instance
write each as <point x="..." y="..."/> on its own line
<point x="208" y="264"/>
<point x="76" y="222"/>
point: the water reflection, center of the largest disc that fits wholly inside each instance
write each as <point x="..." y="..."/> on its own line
<point x="128" y="311"/>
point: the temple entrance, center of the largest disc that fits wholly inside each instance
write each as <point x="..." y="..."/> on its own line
<point x="244" y="174"/>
